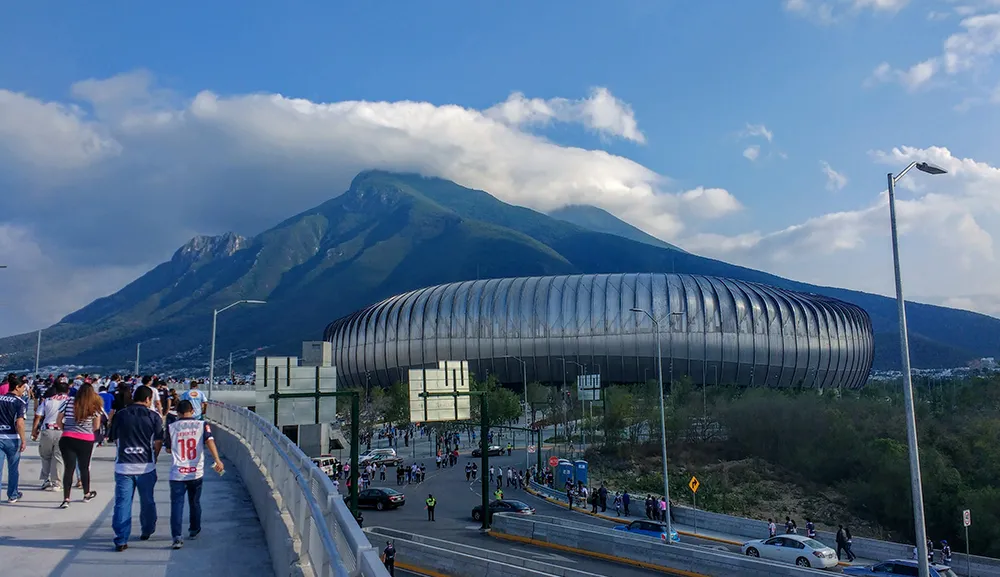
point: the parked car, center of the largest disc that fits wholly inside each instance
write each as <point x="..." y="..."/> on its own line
<point x="503" y="506"/>
<point x="379" y="456"/>
<point x="379" y="498"/>
<point x="653" y="529"/>
<point x="797" y="549"/>
<point x="897" y="567"/>
<point x="494" y="451"/>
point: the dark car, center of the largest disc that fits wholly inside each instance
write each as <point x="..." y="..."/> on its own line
<point x="494" y="451"/>
<point x="897" y="567"/>
<point x="379" y="498"/>
<point x="503" y="506"/>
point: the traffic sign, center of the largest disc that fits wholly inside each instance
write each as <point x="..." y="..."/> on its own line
<point x="531" y="448"/>
<point x="694" y="484"/>
<point x="967" y="517"/>
<point x="553" y="461"/>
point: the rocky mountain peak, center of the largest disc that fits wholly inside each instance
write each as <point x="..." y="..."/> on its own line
<point x="205" y="247"/>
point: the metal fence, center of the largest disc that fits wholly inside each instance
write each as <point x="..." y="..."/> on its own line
<point x="330" y="538"/>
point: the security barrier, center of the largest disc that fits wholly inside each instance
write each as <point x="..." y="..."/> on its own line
<point x="309" y="529"/>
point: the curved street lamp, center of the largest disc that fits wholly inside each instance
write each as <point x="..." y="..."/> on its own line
<point x="215" y="320"/>
<point x="663" y="415"/>
<point x="916" y="488"/>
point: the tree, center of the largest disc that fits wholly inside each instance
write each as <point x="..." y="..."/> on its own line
<point x="397" y="405"/>
<point x="538" y="396"/>
<point x="504" y="404"/>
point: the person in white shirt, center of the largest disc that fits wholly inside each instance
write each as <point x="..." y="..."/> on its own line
<point x="187" y="439"/>
<point x="147" y="382"/>
<point x="46" y="431"/>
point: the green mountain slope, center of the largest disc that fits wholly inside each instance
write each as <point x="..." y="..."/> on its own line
<point x="391" y="233"/>
<point x="600" y="220"/>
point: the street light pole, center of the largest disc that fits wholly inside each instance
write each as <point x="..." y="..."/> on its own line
<point x="524" y="379"/>
<point x="916" y="488"/>
<point x="215" y="322"/>
<point x="663" y="416"/>
<point x="138" y="347"/>
<point x="38" y="351"/>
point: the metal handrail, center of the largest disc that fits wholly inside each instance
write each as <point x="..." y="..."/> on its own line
<point x="332" y="541"/>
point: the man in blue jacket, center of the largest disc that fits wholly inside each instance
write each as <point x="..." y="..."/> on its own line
<point x="138" y="432"/>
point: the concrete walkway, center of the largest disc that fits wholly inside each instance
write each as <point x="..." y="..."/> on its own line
<point x="39" y="539"/>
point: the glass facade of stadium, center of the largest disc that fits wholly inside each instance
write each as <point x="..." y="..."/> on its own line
<point x="713" y="330"/>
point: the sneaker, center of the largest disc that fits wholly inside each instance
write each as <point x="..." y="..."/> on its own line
<point x="89" y="496"/>
<point x="120" y="548"/>
<point x="145" y="537"/>
<point x="178" y="544"/>
<point x="15" y="498"/>
<point x="45" y="485"/>
<point x="65" y="504"/>
<point x="194" y="534"/>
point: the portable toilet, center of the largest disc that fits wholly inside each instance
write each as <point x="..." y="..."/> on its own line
<point x="580" y="470"/>
<point x="563" y="473"/>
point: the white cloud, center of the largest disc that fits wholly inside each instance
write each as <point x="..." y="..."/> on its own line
<point x="758" y="130"/>
<point x="970" y="49"/>
<point x="96" y="191"/>
<point x="601" y="112"/>
<point x="833" y="11"/>
<point x="947" y="228"/>
<point x="834" y="180"/>
<point x="751" y="152"/>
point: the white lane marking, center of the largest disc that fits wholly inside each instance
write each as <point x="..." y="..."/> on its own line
<point x="547" y="556"/>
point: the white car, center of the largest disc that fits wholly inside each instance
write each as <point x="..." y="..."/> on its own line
<point x="795" y="549"/>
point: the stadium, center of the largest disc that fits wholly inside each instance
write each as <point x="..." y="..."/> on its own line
<point x="712" y="330"/>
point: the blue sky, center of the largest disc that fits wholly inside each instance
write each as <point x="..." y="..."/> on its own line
<point x="693" y="75"/>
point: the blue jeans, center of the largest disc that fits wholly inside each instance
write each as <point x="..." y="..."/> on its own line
<point x="125" y="487"/>
<point x="11" y="449"/>
<point x="178" y="490"/>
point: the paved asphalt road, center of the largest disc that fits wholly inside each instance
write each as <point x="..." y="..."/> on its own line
<point x="455" y="500"/>
<point x="456" y="497"/>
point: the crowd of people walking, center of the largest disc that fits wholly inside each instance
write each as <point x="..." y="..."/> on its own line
<point x="140" y="415"/>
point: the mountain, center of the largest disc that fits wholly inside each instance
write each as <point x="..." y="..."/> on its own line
<point x="390" y="233"/>
<point x="600" y="220"/>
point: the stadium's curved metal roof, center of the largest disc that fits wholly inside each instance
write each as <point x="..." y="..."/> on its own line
<point x="712" y="329"/>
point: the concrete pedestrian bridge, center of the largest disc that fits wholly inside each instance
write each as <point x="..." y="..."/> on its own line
<point x="272" y="513"/>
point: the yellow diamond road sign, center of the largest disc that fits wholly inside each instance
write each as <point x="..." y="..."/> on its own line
<point x="694" y="484"/>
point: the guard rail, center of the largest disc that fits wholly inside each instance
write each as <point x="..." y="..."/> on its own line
<point x="309" y="529"/>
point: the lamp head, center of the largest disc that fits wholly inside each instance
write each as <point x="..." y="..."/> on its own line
<point x="930" y="168"/>
<point x="635" y="310"/>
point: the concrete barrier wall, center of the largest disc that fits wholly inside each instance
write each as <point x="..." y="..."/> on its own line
<point x="748" y="529"/>
<point x="861" y="546"/>
<point x="685" y="559"/>
<point x="278" y="529"/>
<point x="320" y="536"/>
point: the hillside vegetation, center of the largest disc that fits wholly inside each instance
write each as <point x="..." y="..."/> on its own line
<point x="837" y="457"/>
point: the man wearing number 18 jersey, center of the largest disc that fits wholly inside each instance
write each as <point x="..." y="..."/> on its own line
<point x="187" y="438"/>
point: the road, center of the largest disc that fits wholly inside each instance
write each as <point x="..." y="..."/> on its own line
<point x="455" y="499"/>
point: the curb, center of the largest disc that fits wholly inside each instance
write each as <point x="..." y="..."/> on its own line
<point x="594" y="554"/>
<point x="531" y="491"/>
<point x="420" y="570"/>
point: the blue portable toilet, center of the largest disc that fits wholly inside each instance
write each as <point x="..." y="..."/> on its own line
<point x="580" y="469"/>
<point x="563" y="473"/>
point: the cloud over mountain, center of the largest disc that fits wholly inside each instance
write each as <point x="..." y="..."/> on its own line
<point x="111" y="182"/>
<point x="115" y="179"/>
